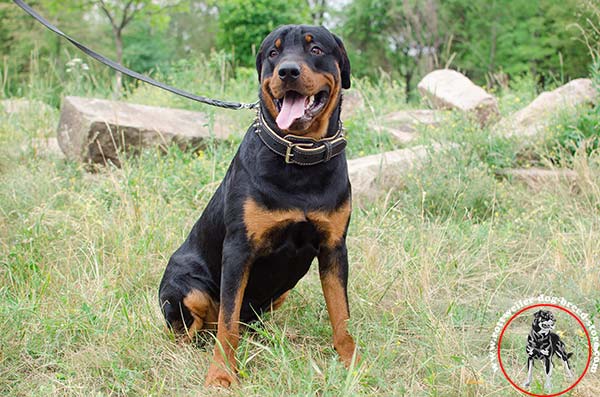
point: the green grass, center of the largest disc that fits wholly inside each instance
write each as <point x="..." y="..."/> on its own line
<point x="434" y="264"/>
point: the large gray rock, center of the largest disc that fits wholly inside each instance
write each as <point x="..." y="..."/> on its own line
<point x="404" y="125"/>
<point x="97" y="130"/>
<point x="449" y="89"/>
<point x="537" y="177"/>
<point x="535" y="117"/>
<point x="373" y="175"/>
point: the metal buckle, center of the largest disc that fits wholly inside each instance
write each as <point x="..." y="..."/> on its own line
<point x="288" y="153"/>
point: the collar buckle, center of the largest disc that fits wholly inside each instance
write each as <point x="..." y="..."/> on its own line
<point x="288" y="153"/>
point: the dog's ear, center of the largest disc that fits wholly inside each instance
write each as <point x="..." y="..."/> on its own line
<point x="344" y="63"/>
<point x="259" y="62"/>
<point x="537" y="314"/>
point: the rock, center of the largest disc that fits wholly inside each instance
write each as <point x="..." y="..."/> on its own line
<point x="535" y="117"/>
<point x="14" y="106"/>
<point x="449" y="89"/>
<point x="404" y="125"/>
<point x="47" y="147"/>
<point x="97" y="130"/>
<point x="535" y="177"/>
<point x="373" y="175"/>
<point x="352" y="103"/>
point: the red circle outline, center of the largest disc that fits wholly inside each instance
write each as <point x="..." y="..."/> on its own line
<point x="586" y="334"/>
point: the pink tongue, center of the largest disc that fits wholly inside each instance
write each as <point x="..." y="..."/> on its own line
<point x="291" y="109"/>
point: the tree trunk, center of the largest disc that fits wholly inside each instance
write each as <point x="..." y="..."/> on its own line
<point x="407" y="80"/>
<point x="118" y="75"/>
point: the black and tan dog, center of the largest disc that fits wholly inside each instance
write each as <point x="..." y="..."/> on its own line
<point x="284" y="201"/>
<point x="543" y="344"/>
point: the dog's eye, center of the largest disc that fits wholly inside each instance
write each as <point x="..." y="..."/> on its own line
<point x="316" y="51"/>
<point x="273" y="53"/>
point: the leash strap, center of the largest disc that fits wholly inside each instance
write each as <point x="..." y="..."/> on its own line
<point x="114" y="65"/>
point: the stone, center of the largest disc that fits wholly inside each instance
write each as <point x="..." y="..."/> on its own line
<point x="535" y="177"/>
<point x="352" y="103"/>
<point x="535" y="117"/>
<point x="98" y="130"/>
<point x="449" y="89"/>
<point x="47" y="147"/>
<point x="404" y="125"/>
<point x="373" y="175"/>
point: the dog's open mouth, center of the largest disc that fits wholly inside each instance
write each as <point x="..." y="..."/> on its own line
<point x="297" y="107"/>
<point x="546" y="325"/>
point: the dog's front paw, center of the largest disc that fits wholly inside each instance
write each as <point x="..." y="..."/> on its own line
<point x="548" y="386"/>
<point x="529" y="350"/>
<point x="526" y="384"/>
<point x="219" y="377"/>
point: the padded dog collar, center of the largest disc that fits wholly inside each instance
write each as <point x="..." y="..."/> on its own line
<point x="298" y="149"/>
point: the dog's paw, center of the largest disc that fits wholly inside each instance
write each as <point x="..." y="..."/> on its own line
<point x="529" y="350"/>
<point x="218" y="377"/>
<point x="526" y="384"/>
<point x="548" y="386"/>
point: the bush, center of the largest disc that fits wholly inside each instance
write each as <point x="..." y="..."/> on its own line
<point x="243" y="25"/>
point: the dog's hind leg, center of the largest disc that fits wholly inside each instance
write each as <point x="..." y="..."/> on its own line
<point x="548" y="366"/>
<point x="564" y="356"/>
<point x="529" y="372"/>
<point x="279" y="301"/>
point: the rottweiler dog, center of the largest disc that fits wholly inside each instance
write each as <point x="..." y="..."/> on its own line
<point x="543" y="344"/>
<point x="284" y="201"/>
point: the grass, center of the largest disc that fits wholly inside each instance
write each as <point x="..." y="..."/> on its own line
<point x="434" y="265"/>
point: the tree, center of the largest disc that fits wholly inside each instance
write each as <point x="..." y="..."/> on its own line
<point x="120" y="13"/>
<point x="517" y="37"/>
<point x="401" y="37"/>
<point x="244" y="24"/>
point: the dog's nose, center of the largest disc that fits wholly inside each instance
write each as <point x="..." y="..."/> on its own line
<point x="289" y="71"/>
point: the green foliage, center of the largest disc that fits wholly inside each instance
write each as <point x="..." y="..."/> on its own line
<point x="146" y="47"/>
<point x="517" y="37"/>
<point x="244" y="24"/>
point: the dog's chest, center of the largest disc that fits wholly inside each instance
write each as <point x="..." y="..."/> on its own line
<point x="273" y="229"/>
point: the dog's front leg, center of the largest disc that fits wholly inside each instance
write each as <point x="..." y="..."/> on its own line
<point x="568" y="369"/>
<point x="548" y="367"/>
<point x="333" y="271"/>
<point x="234" y="277"/>
<point x="527" y="382"/>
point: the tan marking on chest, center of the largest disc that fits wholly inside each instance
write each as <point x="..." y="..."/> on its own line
<point x="333" y="223"/>
<point x="259" y="221"/>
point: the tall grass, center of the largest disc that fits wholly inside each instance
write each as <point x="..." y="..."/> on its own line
<point x="434" y="263"/>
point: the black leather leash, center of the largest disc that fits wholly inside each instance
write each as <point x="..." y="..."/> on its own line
<point x="114" y="65"/>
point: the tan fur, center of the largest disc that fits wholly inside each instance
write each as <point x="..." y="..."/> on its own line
<point x="203" y="309"/>
<point x="337" y="307"/>
<point x="332" y="224"/>
<point x="309" y="83"/>
<point x="279" y="301"/>
<point x="222" y="371"/>
<point x="260" y="221"/>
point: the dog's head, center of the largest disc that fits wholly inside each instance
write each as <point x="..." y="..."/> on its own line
<point x="543" y="321"/>
<point x="302" y="70"/>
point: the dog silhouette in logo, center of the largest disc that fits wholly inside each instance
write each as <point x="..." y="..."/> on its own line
<point x="543" y="344"/>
